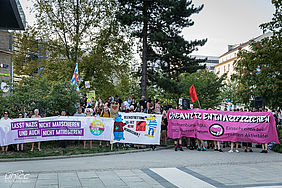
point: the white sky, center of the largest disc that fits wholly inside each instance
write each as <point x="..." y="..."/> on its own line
<point x="223" y="22"/>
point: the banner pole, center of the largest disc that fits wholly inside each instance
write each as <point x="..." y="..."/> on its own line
<point x="112" y="146"/>
<point x="199" y="103"/>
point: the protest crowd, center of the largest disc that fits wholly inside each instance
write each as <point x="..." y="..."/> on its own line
<point x="101" y="108"/>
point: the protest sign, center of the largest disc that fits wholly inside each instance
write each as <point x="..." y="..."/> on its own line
<point x="254" y="127"/>
<point x="137" y="128"/>
<point x="55" y="128"/>
<point x="114" y="110"/>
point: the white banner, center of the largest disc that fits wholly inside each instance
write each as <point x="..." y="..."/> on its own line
<point x="55" y="128"/>
<point x="137" y="128"/>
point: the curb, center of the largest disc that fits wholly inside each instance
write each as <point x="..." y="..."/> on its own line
<point x="80" y="155"/>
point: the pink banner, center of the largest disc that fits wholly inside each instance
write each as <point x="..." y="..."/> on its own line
<point x="254" y="127"/>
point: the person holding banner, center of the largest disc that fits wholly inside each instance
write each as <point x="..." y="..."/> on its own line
<point x="142" y="104"/>
<point x="232" y="147"/>
<point x="164" y="128"/>
<point x="201" y="145"/>
<point x="157" y="107"/>
<point x="217" y="146"/>
<point x="176" y="141"/>
<point x="88" y="114"/>
<point x="6" y="117"/>
<point x="18" y="145"/>
<point x="133" y="105"/>
<point x="36" y="115"/>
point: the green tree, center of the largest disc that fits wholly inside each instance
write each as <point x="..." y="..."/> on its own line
<point x="208" y="87"/>
<point x="30" y="52"/>
<point x="108" y="65"/>
<point x="259" y="70"/>
<point x="101" y="46"/>
<point x="72" y="22"/>
<point x="158" y="24"/>
<point x="49" y="97"/>
<point x="229" y="93"/>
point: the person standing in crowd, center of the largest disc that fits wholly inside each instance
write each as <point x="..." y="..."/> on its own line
<point x="125" y="105"/>
<point x="157" y="107"/>
<point x="88" y="114"/>
<point x="18" y="145"/>
<point x="133" y="105"/>
<point x="79" y="113"/>
<point x="178" y="144"/>
<point x="6" y="118"/>
<point x="63" y="143"/>
<point x="232" y="147"/>
<point x="164" y="128"/>
<point x="247" y="146"/>
<point x="142" y="104"/>
<point x="36" y="115"/>
<point x="217" y="146"/>
<point x="129" y="99"/>
<point x="29" y="114"/>
<point x="201" y="145"/>
<point x="119" y="101"/>
<point x="280" y="117"/>
<point x="105" y="111"/>
<point x="150" y="106"/>
<point x="264" y="148"/>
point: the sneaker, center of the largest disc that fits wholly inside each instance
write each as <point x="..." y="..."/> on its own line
<point x="216" y="150"/>
<point x="237" y="151"/>
<point x="246" y="150"/>
<point x="250" y="150"/>
<point x="199" y="148"/>
<point x="175" y="148"/>
<point x="181" y="149"/>
<point x="230" y="151"/>
<point x="31" y="149"/>
<point x="220" y="150"/>
<point x="39" y="149"/>
<point x="204" y="149"/>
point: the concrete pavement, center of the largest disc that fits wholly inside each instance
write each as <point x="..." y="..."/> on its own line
<point x="163" y="168"/>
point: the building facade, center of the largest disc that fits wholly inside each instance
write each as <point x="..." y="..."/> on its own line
<point x="5" y="55"/>
<point x="210" y="63"/>
<point x="227" y="60"/>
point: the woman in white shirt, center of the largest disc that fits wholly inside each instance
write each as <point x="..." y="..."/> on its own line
<point x="6" y="117"/>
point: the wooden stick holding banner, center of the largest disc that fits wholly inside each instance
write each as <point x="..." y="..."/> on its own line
<point x="199" y="103"/>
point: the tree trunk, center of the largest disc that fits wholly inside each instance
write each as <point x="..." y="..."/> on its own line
<point x="76" y="31"/>
<point x="144" y="53"/>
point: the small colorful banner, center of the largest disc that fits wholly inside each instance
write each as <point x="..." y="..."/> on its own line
<point x="254" y="127"/>
<point x="91" y="94"/>
<point x="87" y="84"/>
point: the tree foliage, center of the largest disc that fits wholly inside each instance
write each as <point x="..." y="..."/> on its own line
<point x="49" y="98"/>
<point x="207" y="85"/>
<point x="158" y="24"/>
<point x="81" y="31"/>
<point x="259" y="70"/>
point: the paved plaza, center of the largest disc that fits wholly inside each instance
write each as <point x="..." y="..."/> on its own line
<point x="161" y="168"/>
